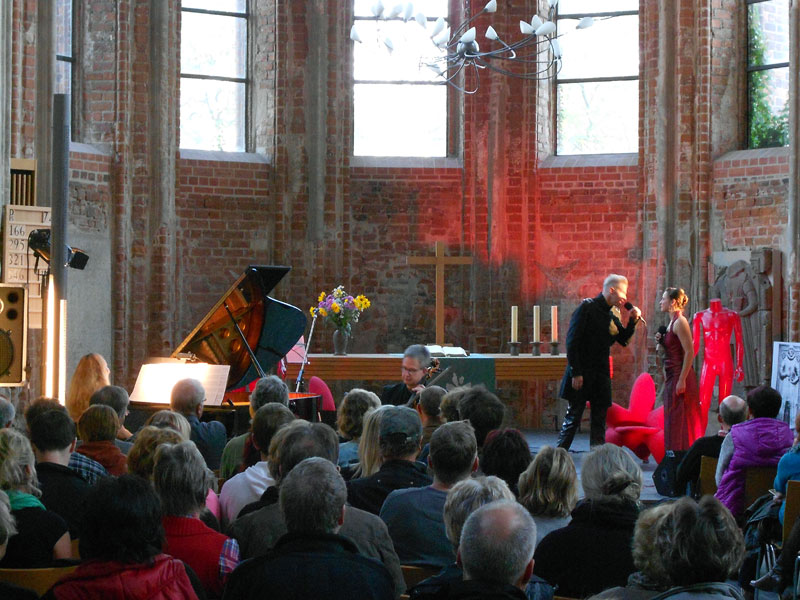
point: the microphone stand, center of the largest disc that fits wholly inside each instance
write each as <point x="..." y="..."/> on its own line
<point x="305" y="355"/>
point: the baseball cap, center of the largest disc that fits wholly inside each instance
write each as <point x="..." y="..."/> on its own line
<point x="400" y="421"/>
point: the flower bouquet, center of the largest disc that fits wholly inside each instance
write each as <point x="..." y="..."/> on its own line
<point x="341" y="310"/>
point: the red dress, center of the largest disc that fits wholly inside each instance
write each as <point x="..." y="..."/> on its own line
<point x="682" y="422"/>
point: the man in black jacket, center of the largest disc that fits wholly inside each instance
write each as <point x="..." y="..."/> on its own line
<point x="594" y="327"/>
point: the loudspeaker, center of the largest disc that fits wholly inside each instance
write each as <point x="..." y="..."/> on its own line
<point x="13" y="334"/>
<point x="664" y="475"/>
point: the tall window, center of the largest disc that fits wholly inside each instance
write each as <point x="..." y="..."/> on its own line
<point x="399" y="109"/>
<point x="214" y="74"/>
<point x="768" y="73"/>
<point x="64" y="56"/>
<point x="597" y="89"/>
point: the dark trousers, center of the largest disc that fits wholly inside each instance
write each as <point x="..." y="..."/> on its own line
<point x="572" y="420"/>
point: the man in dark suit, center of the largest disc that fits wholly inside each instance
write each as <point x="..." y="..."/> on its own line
<point x="594" y="327"/>
<point x="187" y="399"/>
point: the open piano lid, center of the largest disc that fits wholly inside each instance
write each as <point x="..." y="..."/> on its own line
<point x="271" y="327"/>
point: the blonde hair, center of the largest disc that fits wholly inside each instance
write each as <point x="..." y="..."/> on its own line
<point x="549" y="486"/>
<point x="141" y="458"/>
<point x="370" y="457"/>
<point x="8" y="525"/>
<point x="172" y="420"/>
<point x="99" y="423"/>
<point x="16" y="454"/>
<point x="90" y="375"/>
<point x="610" y="474"/>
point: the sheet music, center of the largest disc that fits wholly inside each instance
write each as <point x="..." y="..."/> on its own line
<point x="156" y="380"/>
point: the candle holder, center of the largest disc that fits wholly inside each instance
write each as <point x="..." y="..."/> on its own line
<point x="513" y="348"/>
<point x="536" y="349"/>
<point x="554" y="349"/>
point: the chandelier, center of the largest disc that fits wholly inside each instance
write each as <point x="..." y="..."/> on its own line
<point x="535" y="56"/>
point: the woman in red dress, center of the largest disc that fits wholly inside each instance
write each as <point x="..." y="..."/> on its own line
<point x="682" y="423"/>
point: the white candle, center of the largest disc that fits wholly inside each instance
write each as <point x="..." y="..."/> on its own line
<point x="554" y="323"/>
<point x="514" y="323"/>
<point x="536" y="323"/>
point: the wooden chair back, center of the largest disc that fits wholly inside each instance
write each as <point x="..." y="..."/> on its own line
<point x="792" y="510"/>
<point x="758" y="481"/>
<point x="38" y="580"/>
<point x="707" y="483"/>
<point x="413" y="575"/>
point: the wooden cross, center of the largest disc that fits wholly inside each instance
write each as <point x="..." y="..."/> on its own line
<point x="440" y="260"/>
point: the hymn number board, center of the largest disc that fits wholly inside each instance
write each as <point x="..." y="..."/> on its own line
<point x="18" y="260"/>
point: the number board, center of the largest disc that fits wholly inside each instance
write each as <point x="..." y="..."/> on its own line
<point x="18" y="260"/>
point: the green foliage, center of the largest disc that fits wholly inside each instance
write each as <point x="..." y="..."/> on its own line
<point x="767" y="129"/>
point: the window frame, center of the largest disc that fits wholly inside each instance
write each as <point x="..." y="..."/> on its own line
<point x="246" y="80"/>
<point x="559" y="81"/>
<point x="452" y="101"/>
<point x="750" y="68"/>
<point x="70" y="59"/>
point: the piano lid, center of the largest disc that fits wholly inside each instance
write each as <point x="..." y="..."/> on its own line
<point x="271" y="327"/>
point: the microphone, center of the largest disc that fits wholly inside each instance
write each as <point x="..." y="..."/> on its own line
<point x="663" y="331"/>
<point x="629" y="306"/>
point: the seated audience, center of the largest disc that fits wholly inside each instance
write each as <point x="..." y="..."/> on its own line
<point x="210" y="438"/>
<point x="142" y="457"/>
<point x="7" y="413"/>
<point x="88" y="468"/>
<point x="483" y="410"/>
<point x="650" y="579"/>
<point x="788" y="468"/>
<point x="240" y="452"/>
<point x="369" y="447"/>
<point x="699" y="547"/>
<point x="118" y="399"/>
<point x="505" y="455"/>
<point x="90" y="375"/>
<point x="311" y="560"/>
<point x="247" y="487"/>
<point x="415" y="516"/>
<point x="759" y="442"/>
<point x="181" y="480"/>
<point x="549" y="490"/>
<point x="430" y="411"/>
<point x="400" y="435"/>
<point x="449" y="403"/>
<point x="9" y="591"/>
<point x="258" y="531"/>
<point x="63" y="490"/>
<point x="169" y="419"/>
<point x="98" y="429"/>
<point x="593" y="552"/>
<point x="42" y="535"/>
<point x="121" y="540"/>
<point x="732" y="410"/>
<point x="355" y="406"/>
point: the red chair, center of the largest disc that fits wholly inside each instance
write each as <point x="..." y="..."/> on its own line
<point x="638" y="427"/>
<point x="318" y="386"/>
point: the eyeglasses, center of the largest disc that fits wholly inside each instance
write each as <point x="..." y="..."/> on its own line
<point x="407" y="370"/>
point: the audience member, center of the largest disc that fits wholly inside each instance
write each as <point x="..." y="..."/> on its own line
<point x="759" y="442"/>
<point x="181" y="480"/>
<point x="483" y="410"/>
<point x="7" y="413"/>
<point x="88" y="468"/>
<point x="187" y="399"/>
<point x="449" y="403"/>
<point x="8" y="529"/>
<point x="415" y="516"/>
<point x="650" y="579"/>
<point x="370" y="458"/>
<point x="430" y="411"/>
<point x="699" y="547"/>
<point x="63" y="491"/>
<point x="549" y="489"/>
<point x="142" y="457"/>
<point x="240" y="452"/>
<point x="117" y="398"/>
<point x="732" y="410"/>
<point x="356" y="405"/>
<point x="247" y="487"/>
<point x="90" y="375"/>
<point x="42" y="535"/>
<point x="400" y="435"/>
<point x="121" y="540"/>
<point x="98" y="429"/>
<point x="593" y="552"/>
<point x="311" y="560"/>
<point x="506" y="455"/>
<point x="259" y="531"/>
<point x="171" y="420"/>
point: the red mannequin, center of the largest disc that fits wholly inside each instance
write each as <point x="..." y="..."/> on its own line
<point x="717" y="323"/>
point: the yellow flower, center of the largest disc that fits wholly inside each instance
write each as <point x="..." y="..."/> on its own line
<point x="336" y="308"/>
<point x="313" y="311"/>
<point x="321" y="297"/>
<point x="323" y="312"/>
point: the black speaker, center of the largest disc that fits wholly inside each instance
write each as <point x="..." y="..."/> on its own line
<point x="664" y="475"/>
<point x="13" y="334"/>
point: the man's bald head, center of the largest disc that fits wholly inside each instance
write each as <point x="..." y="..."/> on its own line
<point x="733" y="410"/>
<point x="187" y="396"/>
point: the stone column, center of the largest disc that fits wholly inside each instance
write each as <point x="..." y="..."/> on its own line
<point x="793" y="202"/>
<point x="5" y="101"/>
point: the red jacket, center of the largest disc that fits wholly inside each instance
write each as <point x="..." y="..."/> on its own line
<point x="163" y="579"/>
<point x="199" y="546"/>
<point x="107" y="454"/>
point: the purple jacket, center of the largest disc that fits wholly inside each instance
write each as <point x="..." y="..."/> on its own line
<point x="756" y="443"/>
